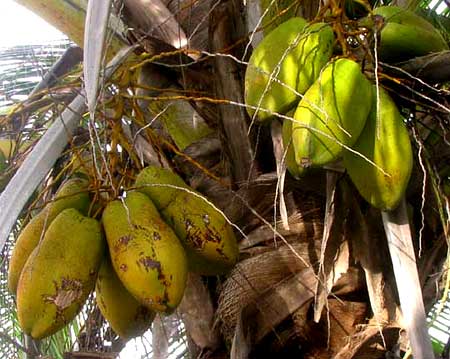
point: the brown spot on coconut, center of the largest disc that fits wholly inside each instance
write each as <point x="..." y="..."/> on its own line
<point x="208" y="238"/>
<point x="200" y="227"/>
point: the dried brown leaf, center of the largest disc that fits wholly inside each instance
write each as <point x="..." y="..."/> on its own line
<point x="197" y="312"/>
<point x="335" y="252"/>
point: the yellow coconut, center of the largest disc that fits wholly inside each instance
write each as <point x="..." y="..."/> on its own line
<point x="72" y="194"/>
<point x="146" y="254"/>
<point x="59" y="274"/>
<point x="127" y="317"/>
<point x="384" y="141"/>
<point x="332" y="113"/>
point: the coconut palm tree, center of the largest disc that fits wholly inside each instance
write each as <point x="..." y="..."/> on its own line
<point x="320" y="273"/>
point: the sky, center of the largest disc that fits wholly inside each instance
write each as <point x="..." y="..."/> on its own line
<point x="19" y="26"/>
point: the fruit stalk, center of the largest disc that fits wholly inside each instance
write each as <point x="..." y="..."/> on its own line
<point x="398" y="232"/>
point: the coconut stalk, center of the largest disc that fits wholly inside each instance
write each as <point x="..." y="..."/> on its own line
<point x="398" y="232"/>
<point x="94" y="41"/>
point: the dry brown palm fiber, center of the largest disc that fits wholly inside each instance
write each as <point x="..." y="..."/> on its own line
<point x="304" y="225"/>
<point x="259" y="194"/>
<point x="251" y="277"/>
<point x="370" y="343"/>
<point x="344" y="317"/>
